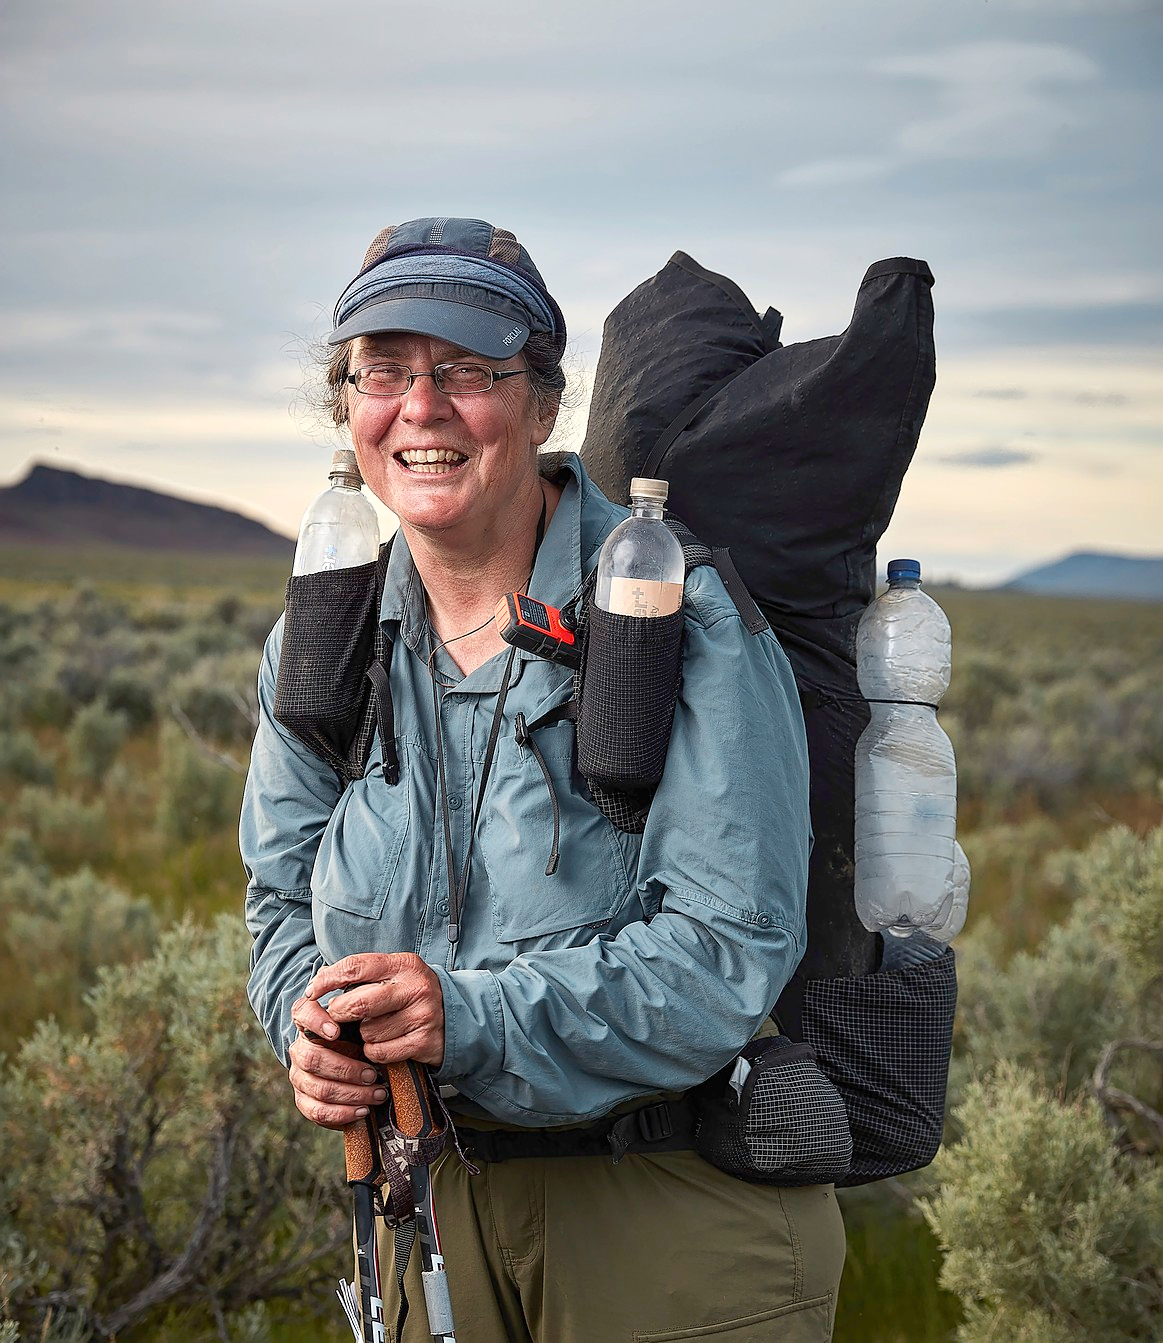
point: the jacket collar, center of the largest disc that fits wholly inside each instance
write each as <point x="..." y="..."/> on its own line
<point x="569" y="552"/>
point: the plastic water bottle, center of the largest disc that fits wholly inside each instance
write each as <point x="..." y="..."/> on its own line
<point x="959" y="902"/>
<point x="340" y="528"/>
<point x="641" y="567"/>
<point x="906" y="778"/>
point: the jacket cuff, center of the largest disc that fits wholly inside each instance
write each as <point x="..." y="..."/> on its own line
<point x="474" y="1029"/>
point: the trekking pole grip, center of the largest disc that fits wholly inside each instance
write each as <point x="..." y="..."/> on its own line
<point x="360" y="1145"/>
<point x="410" y="1099"/>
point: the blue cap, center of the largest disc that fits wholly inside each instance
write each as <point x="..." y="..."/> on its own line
<point x="909" y="569"/>
<point x="460" y="280"/>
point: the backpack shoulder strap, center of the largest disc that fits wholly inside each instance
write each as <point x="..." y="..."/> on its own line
<point x="626" y="810"/>
<point x="683" y="418"/>
<point x="696" y="553"/>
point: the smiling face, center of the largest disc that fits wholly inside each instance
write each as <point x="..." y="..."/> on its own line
<point x="444" y="464"/>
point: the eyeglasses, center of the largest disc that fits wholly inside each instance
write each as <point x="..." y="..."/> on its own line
<point x="451" y="379"/>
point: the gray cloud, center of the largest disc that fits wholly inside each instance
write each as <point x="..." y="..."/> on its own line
<point x="1002" y="393"/>
<point x="988" y="458"/>
<point x="989" y="100"/>
<point x="1120" y="324"/>
<point x="189" y="187"/>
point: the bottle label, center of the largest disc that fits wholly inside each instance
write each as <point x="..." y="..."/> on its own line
<point x="644" y="597"/>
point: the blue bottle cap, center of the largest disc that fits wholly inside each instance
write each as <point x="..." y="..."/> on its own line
<point x="908" y="569"/>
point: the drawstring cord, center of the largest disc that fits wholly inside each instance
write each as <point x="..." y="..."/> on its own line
<point x="524" y="738"/>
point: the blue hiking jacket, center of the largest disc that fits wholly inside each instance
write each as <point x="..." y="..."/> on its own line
<point x="647" y="961"/>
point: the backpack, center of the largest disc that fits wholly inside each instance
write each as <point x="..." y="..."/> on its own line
<point x="793" y="455"/>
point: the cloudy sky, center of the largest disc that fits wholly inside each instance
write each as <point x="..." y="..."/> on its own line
<point x="188" y="188"/>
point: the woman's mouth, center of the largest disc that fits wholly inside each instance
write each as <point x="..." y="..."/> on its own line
<point x="431" y="461"/>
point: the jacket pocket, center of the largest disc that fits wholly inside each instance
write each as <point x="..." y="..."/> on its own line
<point x="590" y="883"/>
<point x="359" y="860"/>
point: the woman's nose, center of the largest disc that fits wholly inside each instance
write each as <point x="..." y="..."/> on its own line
<point x="424" y="403"/>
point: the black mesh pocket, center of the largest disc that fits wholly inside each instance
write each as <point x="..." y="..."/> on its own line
<point x="786" y="1126"/>
<point x="628" y="690"/>
<point x="322" y="692"/>
<point x="884" y="1040"/>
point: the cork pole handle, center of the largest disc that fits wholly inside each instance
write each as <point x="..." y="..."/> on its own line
<point x="409" y="1099"/>
<point x="359" y="1142"/>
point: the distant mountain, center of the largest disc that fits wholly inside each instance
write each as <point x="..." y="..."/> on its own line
<point x="1089" y="574"/>
<point x="63" y="508"/>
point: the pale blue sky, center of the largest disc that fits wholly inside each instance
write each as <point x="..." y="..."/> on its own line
<point x="187" y="191"/>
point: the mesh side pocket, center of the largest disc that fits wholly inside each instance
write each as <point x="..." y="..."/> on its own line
<point x="884" y="1040"/>
<point x="788" y="1125"/>
<point x="328" y="636"/>
<point x="628" y="693"/>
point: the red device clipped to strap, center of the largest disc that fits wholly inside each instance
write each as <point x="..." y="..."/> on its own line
<point x="537" y="628"/>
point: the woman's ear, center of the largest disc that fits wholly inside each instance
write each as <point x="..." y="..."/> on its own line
<point x="544" y="420"/>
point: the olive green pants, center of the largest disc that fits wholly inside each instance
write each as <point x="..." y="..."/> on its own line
<point x="578" y="1250"/>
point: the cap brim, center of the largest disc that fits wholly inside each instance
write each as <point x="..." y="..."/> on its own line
<point x="473" y="329"/>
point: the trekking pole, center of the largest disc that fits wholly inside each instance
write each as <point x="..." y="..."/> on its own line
<point x="414" y="1120"/>
<point x="412" y="1089"/>
<point x="361" y="1152"/>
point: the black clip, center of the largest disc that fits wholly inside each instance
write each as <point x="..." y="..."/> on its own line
<point x="651" y="1124"/>
<point x="654" y="1122"/>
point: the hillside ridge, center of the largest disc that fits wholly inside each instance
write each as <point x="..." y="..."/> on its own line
<point x="56" y="507"/>
<point x="1090" y="573"/>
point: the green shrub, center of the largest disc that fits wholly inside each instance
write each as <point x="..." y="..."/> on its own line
<point x="129" y="692"/>
<point x="93" y="613"/>
<point x="22" y="759"/>
<point x="196" y="796"/>
<point x="197" y="639"/>
<point x="157" y="1177"/>
<point x="1049" y="1235"/>
<point x="94" y="740"/>
<point x="1118" y="885"/>
<point x="1050" y="1208"/>
<point x="36" y="697"/>
<point x="1051" y="1010"/>
<point x="981" y="684"/>
<point x="67" y="831"/>
<point x="77" y="924"/>
<point x="218" y="697"/>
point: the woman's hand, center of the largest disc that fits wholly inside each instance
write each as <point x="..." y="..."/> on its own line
<point x="397" y="1002"/>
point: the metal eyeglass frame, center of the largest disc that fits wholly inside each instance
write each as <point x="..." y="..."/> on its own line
<point x="437" y="376"/>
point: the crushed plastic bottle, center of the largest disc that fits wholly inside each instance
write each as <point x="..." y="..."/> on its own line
<point x="959" y="903"/>
<point x="641" y="567"/>
<point x="906" y="777"/>
<point x="340" y="529"/>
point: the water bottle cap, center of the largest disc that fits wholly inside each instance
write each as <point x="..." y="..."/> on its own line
<point x="343" y="463"/>
<point x="907" y="569"/>
<point x="645" y="487"/>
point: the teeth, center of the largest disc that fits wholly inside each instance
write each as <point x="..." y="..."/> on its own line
<point x="419" y="456"/>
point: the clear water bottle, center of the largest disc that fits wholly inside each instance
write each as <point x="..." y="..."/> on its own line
<point x="958" y="903"/>
<point x="641" y="567"/>
<point x="906" y="778"/>
<point x="340" y="529"/>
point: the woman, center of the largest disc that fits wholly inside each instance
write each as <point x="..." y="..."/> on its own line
<point x="541" y="1002"/>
